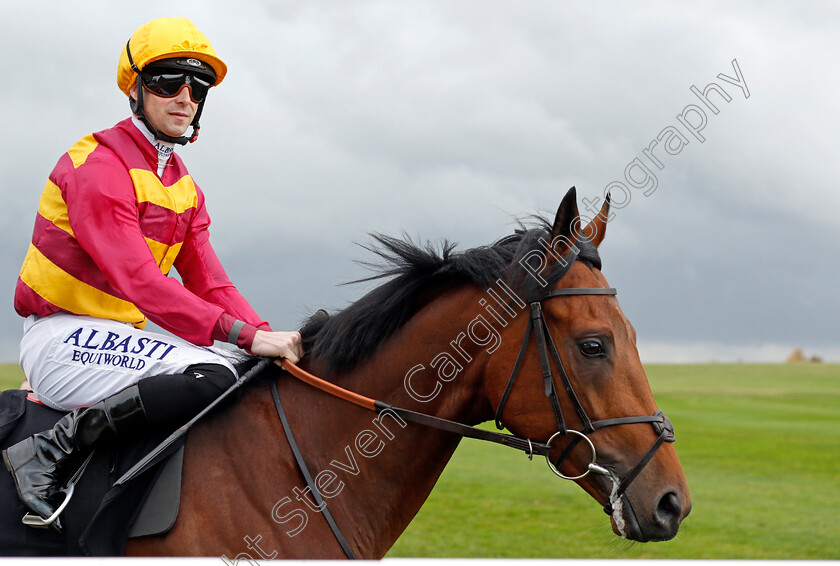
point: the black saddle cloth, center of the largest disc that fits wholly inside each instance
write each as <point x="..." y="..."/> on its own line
<point x="98" y="519"/>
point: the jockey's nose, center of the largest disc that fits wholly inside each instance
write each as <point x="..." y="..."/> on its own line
<point x="183" y="95"/>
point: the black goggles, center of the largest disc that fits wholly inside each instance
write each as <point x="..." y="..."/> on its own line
<point x="168" y="84"/>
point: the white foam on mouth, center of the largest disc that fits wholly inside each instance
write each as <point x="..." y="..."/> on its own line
<point x="618" y="508"/>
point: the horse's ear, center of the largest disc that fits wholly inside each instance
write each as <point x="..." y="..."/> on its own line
<point x="596" y="229"/>
<point x="567" y="213"/>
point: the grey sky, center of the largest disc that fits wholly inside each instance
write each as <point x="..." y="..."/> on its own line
<point x="448" y="119"/>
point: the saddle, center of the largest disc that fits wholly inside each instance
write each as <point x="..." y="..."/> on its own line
<point x="99" y="518"/>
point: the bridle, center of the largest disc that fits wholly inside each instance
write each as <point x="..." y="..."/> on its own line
<point x="546" y="347"/>
<point x="548" y="352"/>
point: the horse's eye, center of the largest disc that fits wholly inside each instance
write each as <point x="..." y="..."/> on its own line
<point x="591" y="348"/>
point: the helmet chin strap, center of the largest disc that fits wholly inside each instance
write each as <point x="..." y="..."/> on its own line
<point x="137" y="110"/>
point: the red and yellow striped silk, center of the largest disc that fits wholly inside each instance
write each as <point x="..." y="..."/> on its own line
<point x="107" y="233"/>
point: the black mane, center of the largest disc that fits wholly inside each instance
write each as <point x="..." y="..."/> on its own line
<point x="418" y="273"/>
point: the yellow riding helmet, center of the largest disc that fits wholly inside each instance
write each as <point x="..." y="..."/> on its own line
<point x="165" y="38"/>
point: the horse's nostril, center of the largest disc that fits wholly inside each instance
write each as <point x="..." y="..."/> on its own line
<point x="669" y="510"/>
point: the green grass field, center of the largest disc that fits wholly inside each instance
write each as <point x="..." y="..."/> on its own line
<point x="760" y="445"/>
<point x="11" y="376"/>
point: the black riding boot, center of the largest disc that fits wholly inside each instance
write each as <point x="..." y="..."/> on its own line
<point x="42" y="464"/>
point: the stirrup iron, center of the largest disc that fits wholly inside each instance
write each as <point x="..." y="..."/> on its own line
<point x="38" y="522"/>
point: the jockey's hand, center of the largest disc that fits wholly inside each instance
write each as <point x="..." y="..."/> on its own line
<point x="278" y="345"/>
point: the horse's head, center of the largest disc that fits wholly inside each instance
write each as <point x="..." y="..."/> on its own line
<point x="580" y="386"/>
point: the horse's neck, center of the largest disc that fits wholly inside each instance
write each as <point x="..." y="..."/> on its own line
<point x="375" y="471"/>
<point x="393" y="464"/>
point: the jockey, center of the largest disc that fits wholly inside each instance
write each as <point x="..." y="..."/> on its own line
<point x="118" y="212"/>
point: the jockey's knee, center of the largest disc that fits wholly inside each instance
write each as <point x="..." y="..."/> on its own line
<point x="174" y="399"/>
<point x="215" y="379"/>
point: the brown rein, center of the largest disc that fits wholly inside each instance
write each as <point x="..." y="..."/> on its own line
<point x="378" y="407"/>
<point x="326" y="386"/>
<point x="526" y="445"/>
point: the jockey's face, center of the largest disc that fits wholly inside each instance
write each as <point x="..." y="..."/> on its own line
<point x="172" y="116"/>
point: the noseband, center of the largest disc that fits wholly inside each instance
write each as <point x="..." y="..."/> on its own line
<point x="547" y="351"/>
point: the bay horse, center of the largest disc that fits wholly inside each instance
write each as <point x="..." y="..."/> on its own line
<point x="525" y="331"/>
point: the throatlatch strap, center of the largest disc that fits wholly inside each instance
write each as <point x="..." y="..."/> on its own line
<point x="307" y="476"/>
<point x="538" y="323"/>
<point x="567" y="384"/>
<point x="513" y="375"/>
